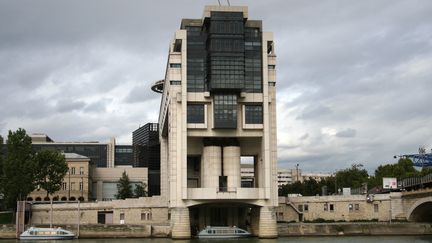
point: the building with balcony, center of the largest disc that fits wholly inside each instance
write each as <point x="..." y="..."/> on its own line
<point x="218" y="105"/>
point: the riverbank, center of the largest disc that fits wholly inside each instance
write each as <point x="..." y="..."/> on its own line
<point x="103" y="231"/>
<point x="284" y="230"/>
<point x="353" y="229"/>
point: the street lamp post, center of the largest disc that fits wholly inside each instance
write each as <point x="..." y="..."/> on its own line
<point x="297" y="178"/>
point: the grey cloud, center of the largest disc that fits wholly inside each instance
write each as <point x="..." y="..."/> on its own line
<point x="69" y="105"/>
<point x="347" y="133"/>
<point x="363" y="63"/>
<point x="314" y="111"/>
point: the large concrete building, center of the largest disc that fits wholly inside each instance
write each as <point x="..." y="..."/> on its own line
<point x="218" y="105"/>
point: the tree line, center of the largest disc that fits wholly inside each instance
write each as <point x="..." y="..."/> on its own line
<point x="354" y="177"/>
<point x="22" y="170"/>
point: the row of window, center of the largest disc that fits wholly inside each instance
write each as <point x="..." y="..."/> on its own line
<point x="73" y="170"/>
<point x="65" y="187"/>
<point x="331" y="207"/>
<point x="225" y="111"/>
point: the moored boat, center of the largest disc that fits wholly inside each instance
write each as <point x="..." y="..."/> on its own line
<point x="35" y="233"/>
<point x="222" y="232"/>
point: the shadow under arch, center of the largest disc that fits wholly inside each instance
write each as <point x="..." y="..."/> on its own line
<point x="421" y="211"/>
<point x="223" y="213"/>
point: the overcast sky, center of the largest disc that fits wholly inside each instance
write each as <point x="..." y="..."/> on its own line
<point x="354" y="78"/>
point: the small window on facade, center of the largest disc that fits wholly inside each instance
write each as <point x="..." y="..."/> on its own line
<point x="253" y="114"/>
<point x="331" y="207"/>
<point x="325" y="207"/>
<point x="64" y="186"/>
<point x="270" y="47"/>
<point x="81" y="186"/>
<point x="376" y="208"/>
<point x="73" y="171"/>
<point x="350" y="207"/>
<point x="175" y="82"/>
<point x="195" y="113"/>
<point x="356" y="207"/>
<point x="175" y="65"/>
<point x="177" y="45"/>
<point x="271" y="66"/>
<point x="272" y="84"/>
<point x="146" y="216"/>
<point x="306" y="207"/>
<point x="81" y="171"/>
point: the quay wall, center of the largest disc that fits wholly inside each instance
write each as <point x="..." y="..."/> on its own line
<point x="284" y="230"/>
<point x="103" y="231"/>
<point x="335" y="229"/>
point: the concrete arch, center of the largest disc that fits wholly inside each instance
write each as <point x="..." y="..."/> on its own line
<point x="421" y="210"/>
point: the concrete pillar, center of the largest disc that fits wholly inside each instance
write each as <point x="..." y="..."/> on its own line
<point x="180" y="223"/>
<point x="267" y="223"/>
<point x="211" y="166"/>
<point x="231" y="166"/>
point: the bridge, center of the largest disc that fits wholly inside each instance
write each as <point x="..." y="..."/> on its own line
<point x="413" y="206"/>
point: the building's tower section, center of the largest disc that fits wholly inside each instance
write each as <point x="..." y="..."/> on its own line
<point x="218" y="107"/>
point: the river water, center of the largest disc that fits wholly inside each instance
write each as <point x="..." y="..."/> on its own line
<point x="338" y="239"/>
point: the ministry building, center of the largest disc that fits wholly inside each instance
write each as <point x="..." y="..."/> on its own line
<point x="218" y="106"/>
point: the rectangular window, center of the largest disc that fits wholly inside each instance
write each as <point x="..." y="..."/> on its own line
<point x="64" y="186"/>
<point x="81" y="186"/>
<point x="350" y="207"/>
<point x="72" y="186"/>
<point x="81" y="171"/>
<point x="253" y="114"/>
<point x="175" y="82"/>
<point x="376" y="208"/>
<point x="325" y="207"/>
<point x="175" y="65"/>
<point x="271" y="66"/>
<point x="356" y="207"/>
<point x="73" y="171"/>
<point x="306" y="207"/>
<point x="331" y="207"/>
<point x="272" y="84"/>
<point x="195" y="113"/>
<point x="225" y="111"/>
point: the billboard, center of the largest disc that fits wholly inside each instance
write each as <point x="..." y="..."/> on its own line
<point x="389" y="183"/>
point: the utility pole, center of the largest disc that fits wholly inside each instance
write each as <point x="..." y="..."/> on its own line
<point x="297" y="178"/>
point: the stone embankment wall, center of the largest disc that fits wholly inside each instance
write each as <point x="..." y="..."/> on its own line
<point x="103" y="231"/>
<point x="7" y="231"/>
<point x="332" y="229"/>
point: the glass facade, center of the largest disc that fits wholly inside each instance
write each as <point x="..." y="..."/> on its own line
<point x="195" y="113"/>
<point x="124" y="155"/>
<point x="224" y="56"/>
<point x="225" y="111"/>
<point x="224" y="53"/>
<point x="96" y="152"/>
<point x="196" y="59"/>
<point x="253" y="114"/>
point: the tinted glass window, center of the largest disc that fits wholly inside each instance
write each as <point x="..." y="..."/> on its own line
<point x="195" y="113"/>
<point x="225" y="111"/>
<point x="253" y="114"/>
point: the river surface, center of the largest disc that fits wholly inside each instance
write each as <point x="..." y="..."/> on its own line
<point x="338" y="239"/>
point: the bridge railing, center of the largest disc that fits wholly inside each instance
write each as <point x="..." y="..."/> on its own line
<point x="415" y="181"/>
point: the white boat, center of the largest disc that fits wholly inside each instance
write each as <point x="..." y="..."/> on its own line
<point x="35" y="233"/>
<point x="222" y="232"/>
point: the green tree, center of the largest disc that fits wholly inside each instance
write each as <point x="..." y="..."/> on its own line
<point x="18" y="168"/>
<point x="404" y="168"/>
<point x="352" y="177"/>
<point x="140" y="190"/>
<point x="51" y="170"/>
<point x="124" y="187"/>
